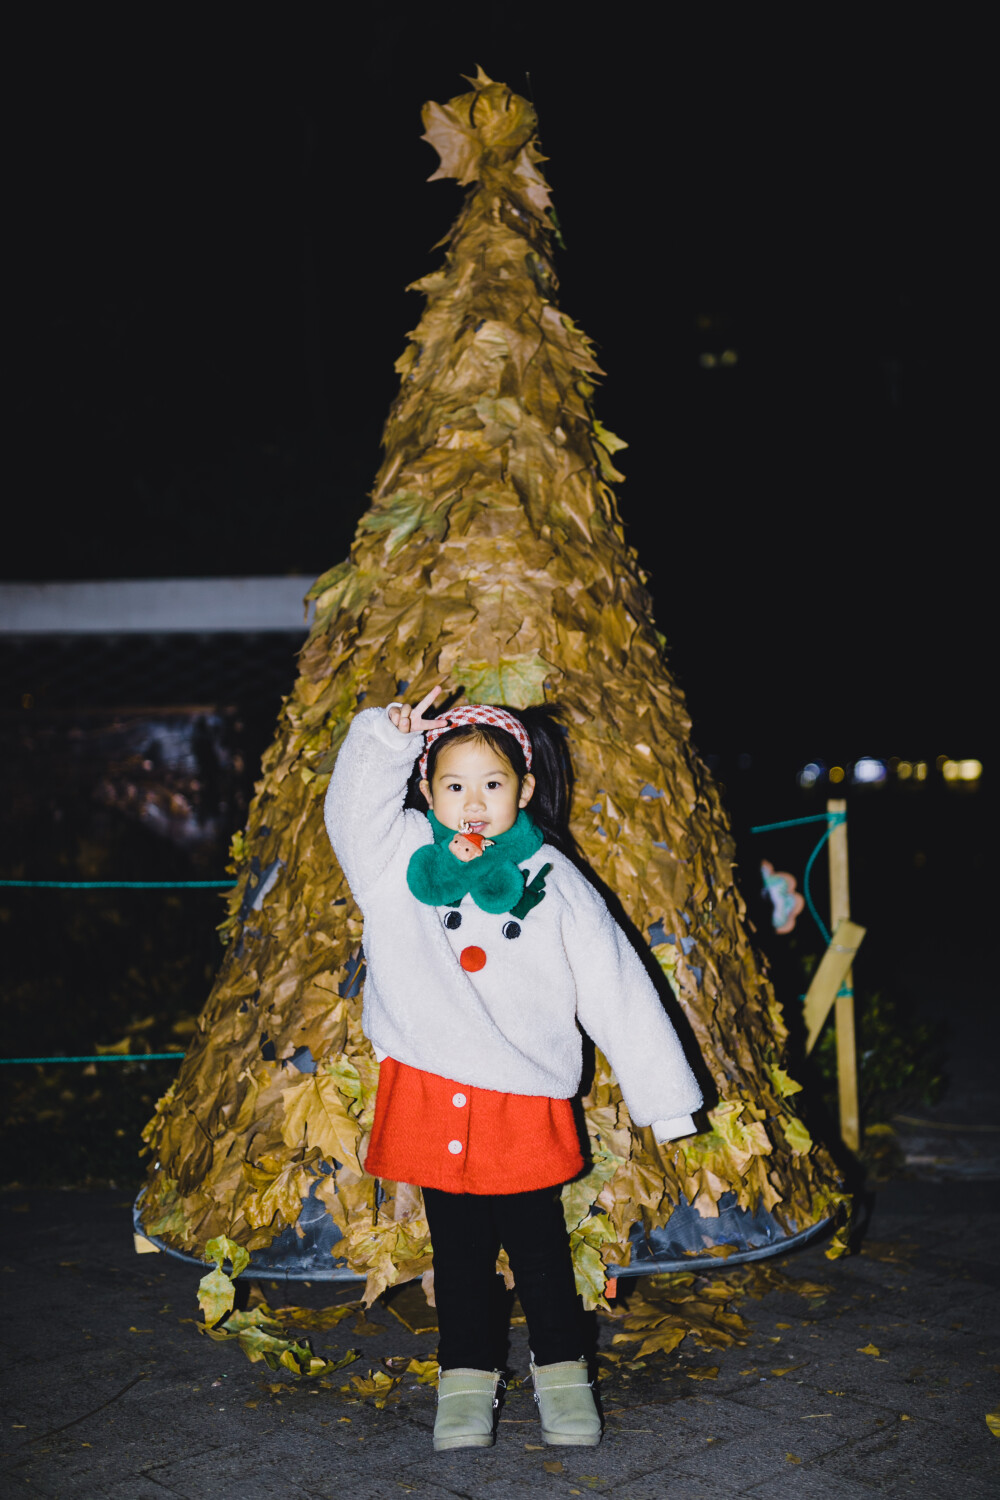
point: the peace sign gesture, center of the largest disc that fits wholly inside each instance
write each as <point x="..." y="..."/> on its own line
<point x="411" y="720"/>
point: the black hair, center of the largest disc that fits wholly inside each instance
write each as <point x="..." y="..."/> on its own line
<point x="550" y="766"/>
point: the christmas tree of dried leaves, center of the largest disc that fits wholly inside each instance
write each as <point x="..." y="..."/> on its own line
<point x="493" y="558"/>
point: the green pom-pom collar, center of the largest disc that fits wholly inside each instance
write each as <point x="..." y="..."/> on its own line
<point x="438" y="878"/>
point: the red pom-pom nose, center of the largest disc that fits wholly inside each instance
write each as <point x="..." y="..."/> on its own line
<point x="472" y="959"/>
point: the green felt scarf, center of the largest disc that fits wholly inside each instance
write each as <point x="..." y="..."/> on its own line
<point x="496" y="884"/>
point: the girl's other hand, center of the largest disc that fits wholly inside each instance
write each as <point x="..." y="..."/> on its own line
<point x="411" y="720"/>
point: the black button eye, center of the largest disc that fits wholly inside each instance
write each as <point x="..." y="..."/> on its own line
<point x="512" y="930"/>
<point x="453" y="920"/>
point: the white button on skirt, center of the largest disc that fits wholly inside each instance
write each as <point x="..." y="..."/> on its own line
<point x="454" y="1147"/>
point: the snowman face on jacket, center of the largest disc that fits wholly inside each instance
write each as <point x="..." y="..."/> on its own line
<point x="494" y="948"/>
<point x="475" y="790"/>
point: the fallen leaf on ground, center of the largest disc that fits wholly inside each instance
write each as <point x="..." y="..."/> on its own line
<point x="665" y="1309"/>
<point x="552" y="1466"/>
<point x="262" y="1338"/>
<point x="364" y="1326"/>
<point x="759" y="1278"/>
<point x="992" y="1422"/>
<point x="870" y="1349"/>
<point x="411" y="1307"/>
<point x="319" y="1318"/>
<point x="216" y="1290"/>
<point x="703" y="1372"/>
<point x="377" y="1385"/>
<point x="426" y="1371"/>
<point x="893" y="1255"/>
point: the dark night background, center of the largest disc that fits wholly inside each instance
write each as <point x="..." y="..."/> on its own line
<point x="214" y="232"/>
<point x="213" y="228"/>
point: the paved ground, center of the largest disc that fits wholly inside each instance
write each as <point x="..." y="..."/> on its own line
<point x="112" y="1392"/>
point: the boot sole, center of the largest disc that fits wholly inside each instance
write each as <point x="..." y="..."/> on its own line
<point x="441" y="1445"/>
<point x="568" y="1440"/>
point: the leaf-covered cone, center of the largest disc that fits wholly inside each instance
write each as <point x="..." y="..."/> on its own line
<point x="492" y="558"/>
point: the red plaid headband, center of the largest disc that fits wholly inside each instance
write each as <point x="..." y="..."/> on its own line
<point x="478" y="713"/>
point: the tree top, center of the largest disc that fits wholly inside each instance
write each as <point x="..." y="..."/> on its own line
<point x="487" y="135"/>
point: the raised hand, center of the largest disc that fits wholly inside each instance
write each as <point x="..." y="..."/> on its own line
<point x="411" y="720"/>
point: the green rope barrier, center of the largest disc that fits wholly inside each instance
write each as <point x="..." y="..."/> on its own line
<point x="99" y="1057"/>
<point x="807" y="892"/>
<point x="831" y="819"/>
<point x="108" y="885"/>
<point x="119" y="885"/>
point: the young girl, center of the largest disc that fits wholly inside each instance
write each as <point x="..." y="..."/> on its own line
<point x="485" y="947"/>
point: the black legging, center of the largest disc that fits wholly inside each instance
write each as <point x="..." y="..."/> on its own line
<point x="467" y="1230"/>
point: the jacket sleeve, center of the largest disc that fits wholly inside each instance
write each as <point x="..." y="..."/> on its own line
<point x="618" y="1006"/>
<point x="364" y="801"/>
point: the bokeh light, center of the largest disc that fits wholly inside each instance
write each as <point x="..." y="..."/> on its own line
<point x="811" y="773"/>
<point x="962" y="770"/>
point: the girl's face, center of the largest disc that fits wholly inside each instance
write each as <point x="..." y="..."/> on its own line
<point x="475" y="789"/>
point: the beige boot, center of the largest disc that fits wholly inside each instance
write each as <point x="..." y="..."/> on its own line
<point x="566" y="1404"/>
<point x="466" y="1410"/>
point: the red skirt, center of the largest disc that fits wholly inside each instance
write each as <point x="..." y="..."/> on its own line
<point x="436" y="1133"/>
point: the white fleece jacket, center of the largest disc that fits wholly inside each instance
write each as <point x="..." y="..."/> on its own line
<point x="511" y="1026"/>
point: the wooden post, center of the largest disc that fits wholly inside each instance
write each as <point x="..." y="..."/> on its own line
<point x="847" y="1052"/>
<point x="829" y="979"/>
